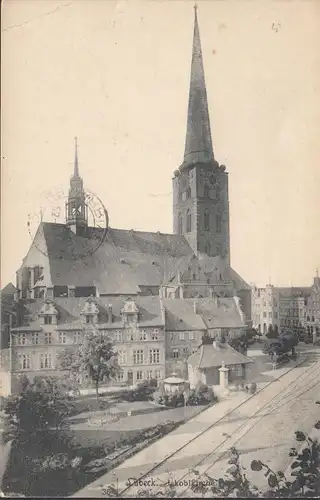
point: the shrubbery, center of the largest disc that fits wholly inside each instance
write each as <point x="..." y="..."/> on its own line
<point x="201" y="395"/>
<point x="143" y="391"/>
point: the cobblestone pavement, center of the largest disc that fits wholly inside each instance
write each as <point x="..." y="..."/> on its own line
<point x="261" y="425"/>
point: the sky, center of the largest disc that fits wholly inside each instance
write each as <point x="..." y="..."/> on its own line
<point x="116" y="75"/>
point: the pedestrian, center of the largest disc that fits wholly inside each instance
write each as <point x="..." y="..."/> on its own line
<point x="253" y="388"/>
<point x="314" y="337"/>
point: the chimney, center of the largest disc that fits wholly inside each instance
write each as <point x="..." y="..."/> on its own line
<point x="109" y="312"/>
<point x="195" y="306"/>
<point x="216" y="300"/>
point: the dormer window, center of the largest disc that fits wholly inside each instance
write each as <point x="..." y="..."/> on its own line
<point x="130" y="312"/>
<point x="90" y="312"/>
<point x="49" y="313"/>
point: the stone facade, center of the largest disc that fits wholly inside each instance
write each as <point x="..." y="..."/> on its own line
<point x="311" y="320"/>
<point x="279" y="307"/>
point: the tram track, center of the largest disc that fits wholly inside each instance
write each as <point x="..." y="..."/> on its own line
<point x="312" y="370"/>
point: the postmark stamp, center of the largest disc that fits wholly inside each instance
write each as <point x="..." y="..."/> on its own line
<point x="70" y="245"/>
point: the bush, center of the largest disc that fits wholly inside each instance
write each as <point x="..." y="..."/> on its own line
<point x="143" y="391"/>
<point x="202" y="394"/>
<point x="174" y="400"/>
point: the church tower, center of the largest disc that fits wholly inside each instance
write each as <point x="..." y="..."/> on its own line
<point x="76" y="208"/>
<point x="200" y="185"/>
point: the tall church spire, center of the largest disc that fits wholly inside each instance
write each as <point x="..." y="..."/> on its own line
<point x="76" y="163"/>
<point x="76" y="208"/>
<point x="198" y="146"/>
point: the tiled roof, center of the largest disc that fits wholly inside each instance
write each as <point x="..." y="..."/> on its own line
<point x="125" y="260"/>
<point x="180" y="314"/>
<point x="69" y="311"/>
<point x="222" y="313"/>
<point x="212" y="268"/>
<point x="9" y="289"/>
<point x="209" y="355"/>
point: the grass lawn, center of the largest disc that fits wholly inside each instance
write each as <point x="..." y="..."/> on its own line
<point x="100" y="439"/>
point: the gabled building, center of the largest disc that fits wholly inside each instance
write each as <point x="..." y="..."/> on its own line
<point x="311" y="320"/>
<point x="279" y="307"/>
<point x="205" y="362"/>
<point x="153" y="337"/>
<point x="65" y="268"/>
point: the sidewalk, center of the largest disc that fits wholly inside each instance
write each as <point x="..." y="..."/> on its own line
<point x="160" y="450"/>
<point x="144" y="461"/>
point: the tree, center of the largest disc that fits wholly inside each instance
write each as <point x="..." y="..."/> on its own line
<point x="40" y="405"/>
<point x="95" y="357"/>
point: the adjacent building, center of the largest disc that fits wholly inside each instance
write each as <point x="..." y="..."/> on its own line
<point x="312" y="311"/>
<point x="279" y="307"/>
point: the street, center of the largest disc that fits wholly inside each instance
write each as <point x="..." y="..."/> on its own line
<point x="261" y="427"/>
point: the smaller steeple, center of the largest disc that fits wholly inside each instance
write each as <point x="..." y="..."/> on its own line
<point x="76" y="163"/>
<point x="76" y="208"/>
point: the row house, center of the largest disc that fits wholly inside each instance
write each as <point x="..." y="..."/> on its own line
<point x="279" y="307"/>
<point x="152" y="337"/>
<point x="312" y="311"/>
<point x="188" y="320"/>
<point x="49" y="328"/>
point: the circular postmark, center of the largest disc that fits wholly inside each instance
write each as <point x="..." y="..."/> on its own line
<point x="61" y="231"/>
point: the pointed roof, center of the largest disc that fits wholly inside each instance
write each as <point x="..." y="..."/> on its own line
<point x="9" y="289"/>
<point x="213" y="354"/>
<point x="76" y="162"/>
<point x="198" y="146"/>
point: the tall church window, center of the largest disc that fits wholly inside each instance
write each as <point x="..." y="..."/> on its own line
<point x="188" y="228"/>
<point x="218" y="223"/>
<point x="207" y="249"/>
<point x="180" y="228"/>
<point x="206" y="220"/>
<point x="188" y="192"/>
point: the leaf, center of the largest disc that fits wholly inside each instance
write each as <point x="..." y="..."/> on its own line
<point x="300" y="436"/>
<point x="232" y="470"/>
<point x="295" y="464"/>
<point x="256" y="465"/>
<point x="272" y="481"/>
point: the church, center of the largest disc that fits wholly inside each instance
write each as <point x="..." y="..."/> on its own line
<point x="155" y="294"/>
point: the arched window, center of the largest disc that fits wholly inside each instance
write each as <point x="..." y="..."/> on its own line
<point x="218" y="223"/>
<point x="188" y="220"/>
<point x="207" y="248"/>
<point x="180" y="228"/>
<point x="206" y="220"/>
<point x="188" y="192"/>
